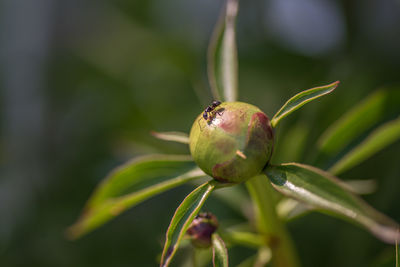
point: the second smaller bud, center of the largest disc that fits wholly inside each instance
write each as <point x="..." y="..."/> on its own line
<point x="202" y="228"/>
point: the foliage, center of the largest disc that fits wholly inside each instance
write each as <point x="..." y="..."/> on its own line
<point x="317" y="189"/>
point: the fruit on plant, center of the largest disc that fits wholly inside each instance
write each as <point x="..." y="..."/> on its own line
<point x="202" y="228"/>
<point x="233" y="142"/>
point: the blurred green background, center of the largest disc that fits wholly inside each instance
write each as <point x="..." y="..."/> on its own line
<point x="84" y="82"/>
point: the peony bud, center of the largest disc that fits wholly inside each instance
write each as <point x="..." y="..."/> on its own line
<point x="202" y="228"/>
<point x="231" y="141"/>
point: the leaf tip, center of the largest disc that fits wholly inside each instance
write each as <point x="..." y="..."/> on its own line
<point x="336" y="84"/>
<point x="332" y="86"/>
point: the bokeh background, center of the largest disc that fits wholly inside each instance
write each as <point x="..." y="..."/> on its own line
<point x="84" y="82"/>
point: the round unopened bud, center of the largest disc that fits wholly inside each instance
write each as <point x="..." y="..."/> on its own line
<point x="202" y="228"/>
<point x="231" y="141"/>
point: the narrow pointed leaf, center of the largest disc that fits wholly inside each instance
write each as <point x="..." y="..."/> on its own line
<point x="222" y="55"/>
<point x="139" y="173"/>
<point x="352" y="124"/>
<point x="131" y="184"/>
<point x="325" y="192"/>
<point x="172" y="136"/>
<point x="376" y="141"/>
<point x="300" y="100"/>
<point x="289" y="209"/>
<point x="359" y="119"/>
<point x="220" y="253"/>
<point x="182" y="218"/>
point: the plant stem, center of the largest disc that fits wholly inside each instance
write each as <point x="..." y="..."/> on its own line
<point x="269" y="225"/>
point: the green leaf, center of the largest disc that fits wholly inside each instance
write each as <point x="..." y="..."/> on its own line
<point x="325" y="192"/>
<point x="300" y="100"/>
<point x="172" y="136"/>
<point x="220" y="253"/>
<point x="183" y="216"/>
<point x="131" y="184"/>
<point x="359" y="119"/>
<point x="380" y="138"/>
<point x="222" y="55"/>
<point x="290" y="209"/>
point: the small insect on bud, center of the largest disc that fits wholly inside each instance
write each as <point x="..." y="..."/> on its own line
<point x="202" y="228"/>
<point x="231" y="141"/>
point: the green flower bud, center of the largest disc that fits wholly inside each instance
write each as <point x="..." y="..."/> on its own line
<point x="202" y="228"/>
<point x="232" y="141"/>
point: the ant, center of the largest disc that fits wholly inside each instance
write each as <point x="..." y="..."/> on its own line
<point x="210" y="111"/>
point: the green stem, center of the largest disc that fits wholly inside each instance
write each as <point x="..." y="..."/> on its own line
<point x="269" y="224"/>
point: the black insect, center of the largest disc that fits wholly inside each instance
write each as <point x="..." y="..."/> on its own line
<point x="209" y="112"/>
